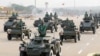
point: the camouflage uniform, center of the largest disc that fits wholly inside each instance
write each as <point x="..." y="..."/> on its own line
<point x="42" y="30"/>
<point x="47" y="17"/>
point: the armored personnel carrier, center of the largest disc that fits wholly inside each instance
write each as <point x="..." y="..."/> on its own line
<point x="41" y="46"/>
<point x="8" y="25"/>
<point x="50" y="26"/>
<point x="88" y="24"/>
<point x="37" y="22"/>
<point x="10" y="22"/>
<point x="18" y="31"/>
<point x="69" y="32"/>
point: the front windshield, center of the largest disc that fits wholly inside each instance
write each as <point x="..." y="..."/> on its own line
<point x="37" y="41"/>
<point x="45" y="41"/>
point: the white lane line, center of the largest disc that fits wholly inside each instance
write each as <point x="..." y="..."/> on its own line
<point x="80" y="51"/>
<point x="83" y="48"/>
<point x="87" y="44"/>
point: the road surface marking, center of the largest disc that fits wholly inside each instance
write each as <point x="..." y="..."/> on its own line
<point x="80" y="51"/>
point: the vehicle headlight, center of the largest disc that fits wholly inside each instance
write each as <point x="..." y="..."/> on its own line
<point x="42" y="46"/>
<point x="22" y="49"/>
<point x="9" y="30"/>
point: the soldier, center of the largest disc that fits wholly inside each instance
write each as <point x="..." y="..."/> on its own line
<point x="20" y="24"/>
<point x="90" y="16"/>
<point x="72" y="24"/>
<point x="86" y="15"/>
<point x="13" y="16"/>
<point x="55" y="16"/>
<point x="51" y="16"/>
<point x="47" y="17"/>
<point x="42" y="30"/>
<point x="16" y="14"/>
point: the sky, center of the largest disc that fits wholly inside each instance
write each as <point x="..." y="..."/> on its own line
<point x="52" y="3"/>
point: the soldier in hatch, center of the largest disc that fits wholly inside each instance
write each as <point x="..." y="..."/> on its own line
<point x="20" y="23"/>
<point x="47" y="17"/>
<point x="55" y="16"/>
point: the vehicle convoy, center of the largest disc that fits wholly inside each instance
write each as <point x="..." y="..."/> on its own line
<point x="10" y="22"/>
<point x="41" y="46"/>
<point x="88" y="24"/>
<point x="69" y="31"/>
<point x="18" y="30"/>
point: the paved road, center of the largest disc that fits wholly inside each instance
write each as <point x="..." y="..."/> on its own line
<point x="89" y="42"/>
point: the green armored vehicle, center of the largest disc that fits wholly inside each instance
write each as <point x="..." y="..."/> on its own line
<point x="88" y="24"/>
<point x="10" y="22"/>
<point x="41" y="46"/>
<point x="69" y="32"/>
<point x="18" y="30"/>
<point x="37" y="22"/>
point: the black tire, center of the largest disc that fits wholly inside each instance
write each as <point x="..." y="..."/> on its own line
<point x="75" y="39"/>
<point x="9" y="37"/>
<point x="57" y="54"/>
<point x="93" y="30"/>
<point x="81" y="30"/>
<point x="61" y="38"/>
<point x="5" y="29"/>
<point x="22" y="37"/>
<point x="51" y="30"/>
<point x="79" y="36"/>
<point x="23" y="54"/>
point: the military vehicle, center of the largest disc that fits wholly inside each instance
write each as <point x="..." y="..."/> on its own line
<point x="18" y="31"/>
<point x="10" y="22"/>
<point x="88" y="24"/>
<point x="37" y="22"/>
<point x="50" y="26"/>
<point x="8" y="25"/>
<point x="41" y="46"/>
<point x="47" y="17"/>
<point x="70" y="32"/>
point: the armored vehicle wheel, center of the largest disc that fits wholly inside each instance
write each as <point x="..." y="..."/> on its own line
<point x="79" y="36"/>
<point x="81" y="30"/>
<point x="51" y="30"/>
<point x="75" y="39"/>
<point x="61" y="38"/>
<point x="9" y="37"/>
<point x="23" y="54"/>
<point x="5" y="29"/>
<point x="93" y="30"/>
<point x="57" y="54"/>
<point x="22" y="37"/>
